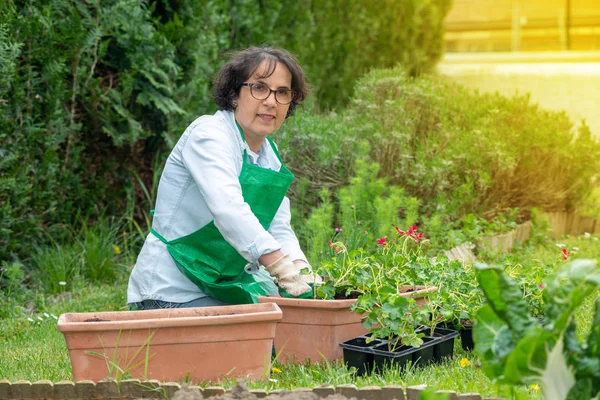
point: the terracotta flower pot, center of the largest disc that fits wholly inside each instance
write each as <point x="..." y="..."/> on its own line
<point x="313" y="329"/>
<point x="201" y="344"/>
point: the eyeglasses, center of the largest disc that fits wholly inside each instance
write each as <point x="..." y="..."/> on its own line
<point x="260" y="91"/>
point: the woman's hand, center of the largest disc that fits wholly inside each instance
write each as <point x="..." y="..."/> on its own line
<point x="309" y="277"/>
<point x="287" y="276"/>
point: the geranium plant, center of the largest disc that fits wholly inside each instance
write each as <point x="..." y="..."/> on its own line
<point x="391" y="316"/>
<point x="389" y="312"/>
<point x="457" y="297"/>
<point x="341" y="273"/>
<point x="402" y="257"/>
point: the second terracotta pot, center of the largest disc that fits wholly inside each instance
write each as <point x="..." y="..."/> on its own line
<point x="313" y="329"/>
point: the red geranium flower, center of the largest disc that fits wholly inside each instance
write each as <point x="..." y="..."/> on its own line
<point x="411" y="233"/>
<point x="333" y="247"/>
<point x="381" y="241"/>
<point x="566" y="254"/>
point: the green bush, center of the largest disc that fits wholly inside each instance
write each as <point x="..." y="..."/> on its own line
<point x="461" y="155"/>
<point x="350" y="37"/>
<point x="83" y="84"/>
<point x="473" y="153"/>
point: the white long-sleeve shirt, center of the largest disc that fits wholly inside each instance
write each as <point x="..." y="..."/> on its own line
<point x="199" y="184"/>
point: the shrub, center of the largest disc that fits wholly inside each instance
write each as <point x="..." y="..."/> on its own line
<point x="470" y="163"/>
<point x="82" y="86"/>
<point x="471" y="152"/>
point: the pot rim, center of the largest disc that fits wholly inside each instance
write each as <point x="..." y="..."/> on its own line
<point x="169" y="318"/>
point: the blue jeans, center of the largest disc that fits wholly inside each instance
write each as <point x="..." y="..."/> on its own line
<point x="206" y="301"/>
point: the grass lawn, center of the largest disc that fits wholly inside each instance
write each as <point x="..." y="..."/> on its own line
<point x="31" y="348"/>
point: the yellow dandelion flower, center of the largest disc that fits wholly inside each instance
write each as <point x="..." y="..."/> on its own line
<point x="464" y="362"/>
<point x="535" y="387"/>
<point x="117" y="249"/>
<point x="276" y="370"/>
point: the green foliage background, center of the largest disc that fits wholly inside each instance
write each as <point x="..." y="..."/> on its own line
<point x="426" y="151"/>
<point x="93" y="94"/>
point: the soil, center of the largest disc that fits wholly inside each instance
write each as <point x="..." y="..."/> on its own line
<point x="240" y="392"/>
<point x="342" y="296"/>
<point x="95" y="320"/>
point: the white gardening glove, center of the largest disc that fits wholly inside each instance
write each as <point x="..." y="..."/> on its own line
<point x="310" y="277"/>
<point x="287" y="276"/>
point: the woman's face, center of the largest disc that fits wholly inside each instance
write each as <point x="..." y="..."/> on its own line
<point x="259" y="118"/>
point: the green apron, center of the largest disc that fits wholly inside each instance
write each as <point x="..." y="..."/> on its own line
<point x="209" y="261"/>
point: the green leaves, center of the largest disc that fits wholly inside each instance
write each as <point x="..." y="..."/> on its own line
<point x="390" y="315"/>
<point x="505" y="299"/>
<point x="566" y="290"/>
<point x="517" y="349"/>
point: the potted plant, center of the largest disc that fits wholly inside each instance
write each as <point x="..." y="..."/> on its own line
<point x="397" y="333"/>
<point x="404" y="264"/>
<point x="391" y="311"/>
<point x="457" y="298"/>
<point x="202" y="344"/>
<point x="314" y="328"/>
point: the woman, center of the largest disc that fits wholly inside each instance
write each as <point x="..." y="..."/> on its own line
<point x="221" y="211"/>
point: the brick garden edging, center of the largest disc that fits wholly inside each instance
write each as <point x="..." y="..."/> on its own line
<point x="136" y="389"/>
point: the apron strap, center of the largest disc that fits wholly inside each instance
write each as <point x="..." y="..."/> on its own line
<point x="275" y="150"/>
<point x="159" y="236"/>
<point x="268" y="138"/>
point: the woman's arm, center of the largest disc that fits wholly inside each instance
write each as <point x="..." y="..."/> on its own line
<point x="282" y="231"/>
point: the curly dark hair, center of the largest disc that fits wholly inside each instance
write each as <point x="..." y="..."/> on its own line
<point x="243" y="64"/>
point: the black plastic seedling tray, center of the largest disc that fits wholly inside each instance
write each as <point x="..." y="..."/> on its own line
<point x="359" y="354"/>
<point x="445" y="345"/>
<point x="417" y="355"/>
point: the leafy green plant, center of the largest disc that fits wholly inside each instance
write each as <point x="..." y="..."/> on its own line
<point x="389" y="311"/>
<point x="403" y="258"/>
<point x="457" y="297"/>
<point x="388" y="314"/>
<point x="341" y="273"/>
<point x="515" y="348"/>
